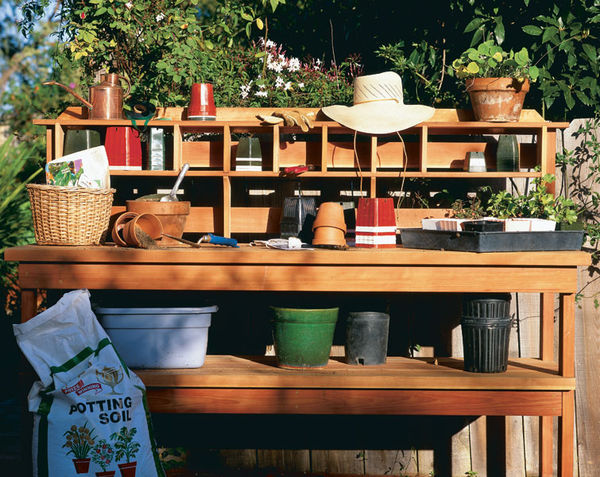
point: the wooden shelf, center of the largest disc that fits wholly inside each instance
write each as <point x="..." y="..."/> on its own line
<point x="224" y="371"/>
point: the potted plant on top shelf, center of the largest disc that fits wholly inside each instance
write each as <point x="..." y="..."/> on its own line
<point x="497" y="81"/>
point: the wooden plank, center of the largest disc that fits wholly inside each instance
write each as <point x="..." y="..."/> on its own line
<point x="546" y="456"/>
<point x="496" y="446"/>
<point x="227" y="153"/>
<point x="283" y="459"/>
<point x="397" y="257"/>
<point x="354" y="402"/>
<point x="226" y="207"/>
<point x="326" y="278"/>
<point x="566" y="424"/>
<point x="478" y="445"/>
<point x="205" y="154"/>
<point x="59" y="141"/>
<point x="178" y="152"/>
<point x="29" y="304"/>
<point x="224" y="371"/>
<point x="324" y="143"/>
<point x="276" y="149"/>
<point x="332" y="461"/>
<point x="391" y="462"/>
<point x="547" y="326"/>
<point x="566" y="353"/>
<point x="50" y="154"/>
<point x="587" y="354"/>
<point x="423" y="150"/>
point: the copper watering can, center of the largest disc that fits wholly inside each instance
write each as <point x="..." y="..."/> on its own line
<point x="106" y="98"/>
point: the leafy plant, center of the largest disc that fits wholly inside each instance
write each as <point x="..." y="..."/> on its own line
<point x="80" y="441"/>
<point x="103" y="454"/>
<point x="489" y="60"/>
<point x="124" y="443"/>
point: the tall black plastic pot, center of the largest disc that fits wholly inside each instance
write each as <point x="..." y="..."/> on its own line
<point x="486" y="327"/>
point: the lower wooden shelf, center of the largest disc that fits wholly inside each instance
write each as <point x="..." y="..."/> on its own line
<point x="226" y="371"/>
<point x="403" y="386"/>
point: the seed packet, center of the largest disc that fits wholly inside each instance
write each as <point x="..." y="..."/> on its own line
<point x="87" y="168"/>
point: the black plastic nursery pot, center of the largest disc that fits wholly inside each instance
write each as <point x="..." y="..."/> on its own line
<point x="367" y="338"/>
<point x="486" y="327"/>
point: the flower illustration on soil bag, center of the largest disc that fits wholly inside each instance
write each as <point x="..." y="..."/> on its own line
<point x="79" y="442"/>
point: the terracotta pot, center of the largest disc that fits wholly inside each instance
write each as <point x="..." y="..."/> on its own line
<point x="172" y="216"/>
<point x="128" y="469"/>
<point x="108" y="473"/>
<point x="330" y="214"/>
<point x="117" y="230"/>
<point x="82" y="466"/>
<point x="149" y="223"/>
<point x="497" y="99"/>
<point x="332" y="236"/>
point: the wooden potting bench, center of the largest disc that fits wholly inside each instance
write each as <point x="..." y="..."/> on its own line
<point x="254" y="385"/>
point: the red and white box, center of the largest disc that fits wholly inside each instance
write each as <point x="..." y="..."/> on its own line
<point x="123" y="148"/>
<point x="376" y="223"/>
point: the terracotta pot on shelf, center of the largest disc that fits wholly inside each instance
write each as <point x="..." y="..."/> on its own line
<point x="148" y="224"/>
<point x="120" y="223"/>
<point x="497" y="99"/>
<point x="172" y="216"/>
<point x="329" y="226"/>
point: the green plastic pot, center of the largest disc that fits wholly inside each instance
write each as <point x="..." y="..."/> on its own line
<point x="303" y="337"/>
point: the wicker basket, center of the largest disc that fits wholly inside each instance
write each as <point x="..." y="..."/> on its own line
<point x="69" y="215"/>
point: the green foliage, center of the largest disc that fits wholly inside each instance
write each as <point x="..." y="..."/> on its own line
<point x="420" y="71"/>
<point x="162" y="47"/>
<point x="537" y="203"/>
<point x="489" y="60"/>
<point x="15" y="214"/>
<point x="581" y="170"/>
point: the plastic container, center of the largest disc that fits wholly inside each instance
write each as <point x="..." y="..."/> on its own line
<point x="158" y="337"/>
<point x="303" y="337"/>
<point x="486" y="327"/>
<point x="492" y="241"/>
<point x="367" y="337"/>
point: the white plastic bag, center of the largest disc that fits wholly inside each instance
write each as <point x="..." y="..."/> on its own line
<point x="91" y="415"/>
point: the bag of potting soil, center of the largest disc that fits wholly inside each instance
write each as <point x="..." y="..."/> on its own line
<point x="90" y="411"/>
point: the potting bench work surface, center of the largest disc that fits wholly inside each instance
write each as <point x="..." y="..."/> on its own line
<point x="254" y="385"/>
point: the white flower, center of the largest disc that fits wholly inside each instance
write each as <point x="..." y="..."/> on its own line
<point x="129" y="5"/>
<point x="277" y="67"/>
<point x="318" y="61"/>
<point x="288" y="85"/>
<point x="264" y="94"/>
<point x="271" y="44"/>
<point x="294" y="64"/>
<point x="279" y="82"/>
<point x="300" y="85"/>
<point x="160" y="17"/>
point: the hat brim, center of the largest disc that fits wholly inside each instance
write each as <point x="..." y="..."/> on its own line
<point x="379" y="117"/>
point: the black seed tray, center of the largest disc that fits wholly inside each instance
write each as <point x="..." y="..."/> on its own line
<point x="469" y="241"/>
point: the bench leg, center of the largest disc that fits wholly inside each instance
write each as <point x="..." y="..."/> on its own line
<point x="566" y="423"/>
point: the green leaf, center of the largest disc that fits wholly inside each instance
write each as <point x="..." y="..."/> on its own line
<point x="549" y="33"/>
<point x="473" y="24"/>
<point x="246" y="17"/>
<point x="499" y="30"/>
<point x="259" y="24"/>
<point x="532" y="30"/>
<point x="248" y="29"/>
<point x="590" y="51"/>
<point x="477" y="37"/>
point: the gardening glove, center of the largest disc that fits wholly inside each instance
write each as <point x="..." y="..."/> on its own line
<point x="291" y="118"/>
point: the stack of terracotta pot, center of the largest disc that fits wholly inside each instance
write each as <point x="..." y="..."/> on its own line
<point x="329" y="227"/>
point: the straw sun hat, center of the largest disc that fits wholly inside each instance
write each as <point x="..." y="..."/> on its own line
<point x="379" y="106"/>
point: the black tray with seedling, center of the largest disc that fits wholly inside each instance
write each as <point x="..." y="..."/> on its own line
<point x="471" y="241"/>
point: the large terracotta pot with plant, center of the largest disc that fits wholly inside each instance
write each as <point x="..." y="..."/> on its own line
<point x="497" y="81"/>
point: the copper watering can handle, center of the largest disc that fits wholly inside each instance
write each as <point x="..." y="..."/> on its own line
<point x="126" y="93"/>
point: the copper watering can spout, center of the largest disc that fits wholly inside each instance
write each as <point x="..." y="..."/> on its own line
<point x="106" y="98"/>
<point x="69" y="90"/>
